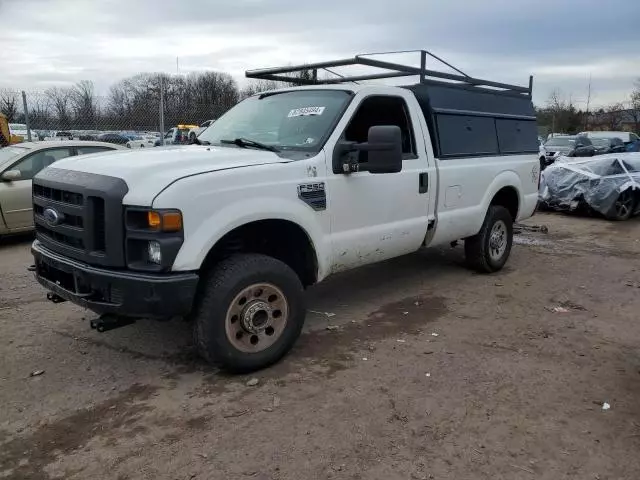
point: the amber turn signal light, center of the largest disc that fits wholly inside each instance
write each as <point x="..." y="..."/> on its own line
<point x="165" y="221"/>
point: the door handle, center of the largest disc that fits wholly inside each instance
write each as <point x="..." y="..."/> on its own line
<point x="423" y="183"/>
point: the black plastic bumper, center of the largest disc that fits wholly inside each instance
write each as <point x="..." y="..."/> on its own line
<point x="114" y="291"/>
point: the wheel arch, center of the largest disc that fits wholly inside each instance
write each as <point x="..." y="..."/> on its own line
<point x="282" y="239"/>
<point x="505" y="190"/>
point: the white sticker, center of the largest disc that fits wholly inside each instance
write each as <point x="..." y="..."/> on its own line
<point x="302" y="112"/>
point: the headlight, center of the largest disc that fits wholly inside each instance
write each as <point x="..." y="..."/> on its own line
<point x="155" y="252"/>
<point x="153" y="238"/>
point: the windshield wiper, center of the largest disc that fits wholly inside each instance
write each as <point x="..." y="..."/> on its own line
<point x="246" y="142"/>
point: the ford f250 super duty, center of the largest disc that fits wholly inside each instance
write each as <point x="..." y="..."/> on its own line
<point x="285" y="189"/>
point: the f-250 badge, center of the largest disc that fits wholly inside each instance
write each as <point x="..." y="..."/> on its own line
<point x="313" y="194"/>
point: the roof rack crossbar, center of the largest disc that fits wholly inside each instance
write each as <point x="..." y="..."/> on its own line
<point x="394" y="70"/>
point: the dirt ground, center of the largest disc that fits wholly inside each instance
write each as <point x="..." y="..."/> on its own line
<point x="434" y="373"/>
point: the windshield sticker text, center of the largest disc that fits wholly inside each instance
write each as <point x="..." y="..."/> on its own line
<point x="305" y="111"/>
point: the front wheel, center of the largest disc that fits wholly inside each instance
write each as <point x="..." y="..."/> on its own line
<point x="249" y="313"/>
<point x="489" y="250"/>
<point x="623" y="207"/>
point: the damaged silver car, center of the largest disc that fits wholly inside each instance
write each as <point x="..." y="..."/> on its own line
<point x="608" y="185"/>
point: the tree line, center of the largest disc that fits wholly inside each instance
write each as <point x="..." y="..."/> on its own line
<point x="134" y="104"/>
<point x="561" y="115"/>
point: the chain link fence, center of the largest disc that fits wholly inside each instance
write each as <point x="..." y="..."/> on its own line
<point x="145" y="105"/>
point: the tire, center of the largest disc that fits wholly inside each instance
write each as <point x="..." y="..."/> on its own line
<point x="245" y="298"/>
<point x="623" y="207"/>
<point x="478" y="249"/>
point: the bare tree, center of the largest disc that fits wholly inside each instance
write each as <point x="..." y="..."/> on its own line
<point x="9" y="104"/>
<point x="60" y="98"/>
<point x="634" y="111"/>
<point x="83" y="102"/>
<point x="561" y="114"/>
<point x="612" y="116"/>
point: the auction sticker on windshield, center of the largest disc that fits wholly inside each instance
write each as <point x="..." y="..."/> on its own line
<point x="301" y="112"/>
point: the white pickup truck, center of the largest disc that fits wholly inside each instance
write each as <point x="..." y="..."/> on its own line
<point x="287" y="188"/>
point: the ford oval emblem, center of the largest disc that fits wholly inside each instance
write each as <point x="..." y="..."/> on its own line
<point x="52" y="217"/>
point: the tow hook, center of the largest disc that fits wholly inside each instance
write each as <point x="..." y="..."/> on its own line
<point x="108" y="322"/>
<point x="52" y="297"/>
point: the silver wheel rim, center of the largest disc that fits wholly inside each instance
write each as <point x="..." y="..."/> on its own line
<point x="256" y="317"/>
<point x="498" y="240"/>
<point x="624" y="204"/>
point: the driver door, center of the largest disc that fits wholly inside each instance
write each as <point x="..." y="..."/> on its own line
<point x="15" y="195"/>
<point x="379" y="216"/>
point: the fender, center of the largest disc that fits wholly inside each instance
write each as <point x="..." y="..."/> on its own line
<point x="201" y="236"/>
<point x="507" y="178"/>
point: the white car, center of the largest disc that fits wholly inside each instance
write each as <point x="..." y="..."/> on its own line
<point x="626" y="137"/>
<point x="286" y="189"/>
<point x="195" y="132"/>
<point x="142" y="141"/>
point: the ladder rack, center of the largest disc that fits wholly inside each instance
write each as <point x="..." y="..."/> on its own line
<point x="392" y="70"/>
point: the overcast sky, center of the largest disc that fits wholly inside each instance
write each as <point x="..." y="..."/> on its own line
<point x="560" y="42"/>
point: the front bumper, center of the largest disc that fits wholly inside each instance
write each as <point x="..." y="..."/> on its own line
<point x="120" y="292"/>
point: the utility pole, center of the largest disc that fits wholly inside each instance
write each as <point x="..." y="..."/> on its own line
<point x="177" y="67"/>
<point x="586" y="118"/>
<point x="26" y="115"/>
<point x="161" y="112"/>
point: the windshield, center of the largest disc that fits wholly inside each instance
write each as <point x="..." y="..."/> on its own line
<point x="601" y="142"/>
<point x="290" y="120"/>
<point x="560" y="142"/>
<point x="8" y="153"/>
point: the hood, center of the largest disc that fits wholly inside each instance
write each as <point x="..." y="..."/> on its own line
<point x="160" y="166"/>
<point x="148" y="171"/>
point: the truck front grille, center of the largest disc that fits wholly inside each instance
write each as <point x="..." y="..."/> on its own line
<point x="80" y="215"/>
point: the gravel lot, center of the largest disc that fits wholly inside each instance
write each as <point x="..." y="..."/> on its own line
<point x="434" y="372"/>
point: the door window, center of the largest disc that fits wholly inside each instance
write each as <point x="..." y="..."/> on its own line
<point x="381" y="110"/>
<point x="35" y="162"/>
<point x="87" y="150"/>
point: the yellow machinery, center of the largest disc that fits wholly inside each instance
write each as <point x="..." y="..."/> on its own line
<point x="6" y="138"/>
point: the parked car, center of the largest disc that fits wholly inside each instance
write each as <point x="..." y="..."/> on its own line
<point x="177" y="135"/>
<point x="114" y="138"/>
<point x="608" y="145"/>
<point x="285" y="190"/>
<point x="19" y="164"/>
<point x="64" y="135"/>
<point x="626" y="137"/>
<point x="605" y="184"/>
<point x="194" y="132"/>
<point x="141" y="141"/>
<point x="567" y="145"/>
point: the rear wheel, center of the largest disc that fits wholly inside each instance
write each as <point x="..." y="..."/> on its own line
<point x="489" y="250"/>
<point x="249" y="313"/>
<point x="623" y="207"/>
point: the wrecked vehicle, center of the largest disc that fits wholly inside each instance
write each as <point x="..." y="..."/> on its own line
<point x="608" y="185"/>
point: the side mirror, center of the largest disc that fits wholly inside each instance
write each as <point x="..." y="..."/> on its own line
<point x="383" y="147"/>
<point x="384" y="144"/>
<point x="11" y="175"/>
